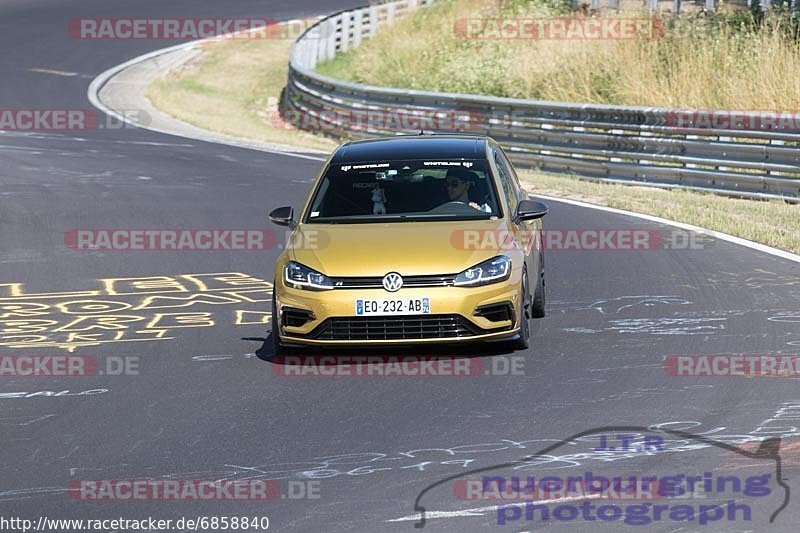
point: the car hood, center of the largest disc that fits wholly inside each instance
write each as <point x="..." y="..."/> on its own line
<point x="409" y="248"/>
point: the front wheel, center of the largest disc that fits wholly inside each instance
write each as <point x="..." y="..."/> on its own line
<point x="539" y="295"/>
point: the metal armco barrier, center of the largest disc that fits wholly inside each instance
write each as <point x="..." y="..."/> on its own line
<point x="635" y="145"/>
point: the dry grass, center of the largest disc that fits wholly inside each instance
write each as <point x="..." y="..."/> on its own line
<point x="699" y="63"/>
<point x="773" y="223"/>
<point x="233" y="88"/>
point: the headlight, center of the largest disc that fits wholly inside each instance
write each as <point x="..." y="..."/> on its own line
<point x="491" y="271"/>
<point x="301" y="277"/>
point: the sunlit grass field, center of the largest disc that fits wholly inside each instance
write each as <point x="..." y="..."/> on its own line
<point x="724" y="62"/>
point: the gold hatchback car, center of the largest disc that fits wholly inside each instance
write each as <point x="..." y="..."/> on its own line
<point x="411" y="240"/>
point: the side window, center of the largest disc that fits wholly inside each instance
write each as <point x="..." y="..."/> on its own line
<point x="515" y="184"/>
<point x="506" y="180"/>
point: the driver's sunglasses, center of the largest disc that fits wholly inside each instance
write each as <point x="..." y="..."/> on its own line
<point x="452" y="184"/>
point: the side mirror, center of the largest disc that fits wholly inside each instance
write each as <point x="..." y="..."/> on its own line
<point x="531" y="210"/>
<point x="282" y="216"/>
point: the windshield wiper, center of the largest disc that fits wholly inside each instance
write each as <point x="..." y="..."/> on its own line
<point x="398" y="218"/>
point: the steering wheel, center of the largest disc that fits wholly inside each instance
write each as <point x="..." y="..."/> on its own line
<point x="452" y="207"/>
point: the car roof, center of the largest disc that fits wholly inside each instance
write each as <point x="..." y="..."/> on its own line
<point x="413" y="147"/>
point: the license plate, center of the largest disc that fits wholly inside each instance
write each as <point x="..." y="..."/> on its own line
<point x="398" y="306"/>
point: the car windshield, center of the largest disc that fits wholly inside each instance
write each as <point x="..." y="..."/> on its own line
<point x="402" y="191"/>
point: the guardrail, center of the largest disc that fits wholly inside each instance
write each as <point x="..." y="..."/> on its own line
<point x="634" y="145"/>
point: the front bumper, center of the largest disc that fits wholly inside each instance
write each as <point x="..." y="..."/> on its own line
<point x="458" y="315"/>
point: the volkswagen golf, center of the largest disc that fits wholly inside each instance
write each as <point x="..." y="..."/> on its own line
<point x="411" y="240"/>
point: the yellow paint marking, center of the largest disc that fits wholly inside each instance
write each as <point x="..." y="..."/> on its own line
<point x="241" y="295"/>
<point x="50" y="296"/>
<point x="151" y="302"/>
<point x="247" y="318"/>
<point x="92" y="307"/>
<point x="180" y="320"/>
<point x="24" y="309"/>
<point x="159" y="332"/>
<point x="10" y="290"/>
<point x="156" y="284"/>
<point x="80" y="318"/>
<point x="108" y="322"/>
<point x="224" y="281"/>
<point x="25" y="326"/>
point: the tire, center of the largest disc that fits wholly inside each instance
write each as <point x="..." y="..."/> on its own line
<point x="523" y="342"/>
<point x="539" y="296"/>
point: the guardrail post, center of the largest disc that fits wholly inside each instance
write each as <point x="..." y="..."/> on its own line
<point x="330" y="49"/>
<point x="320" y="48"/>
<point x="305" y="58"/>
<point x="373" y="21"/>
<point x="344" y="42"/>
<point x="358" y="28"/>
<point x="314" y="52"/>
<point x="652" y="5"/>
<point x="776" y="142"/>
<point x="711" y="6"/>
<point x="676" y="7"/>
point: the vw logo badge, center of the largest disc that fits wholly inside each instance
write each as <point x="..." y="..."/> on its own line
<point x="392" y="281"/>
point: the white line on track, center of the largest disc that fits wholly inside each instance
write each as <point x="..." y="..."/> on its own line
<point x="103" y="78"/>
<point x="690" y="227"/>
<point x="52" y="71"/>
<point x="480" y="511"/>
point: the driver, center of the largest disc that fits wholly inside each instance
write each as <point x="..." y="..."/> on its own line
<point x="458" y="182"/>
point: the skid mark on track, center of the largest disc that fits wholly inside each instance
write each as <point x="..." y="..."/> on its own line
<point x="658" y="326"/>
<point x="619" y="304"/>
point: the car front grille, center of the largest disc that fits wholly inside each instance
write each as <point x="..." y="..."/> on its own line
<point x="395" y="328"/>
<point x="377" y="282"/>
